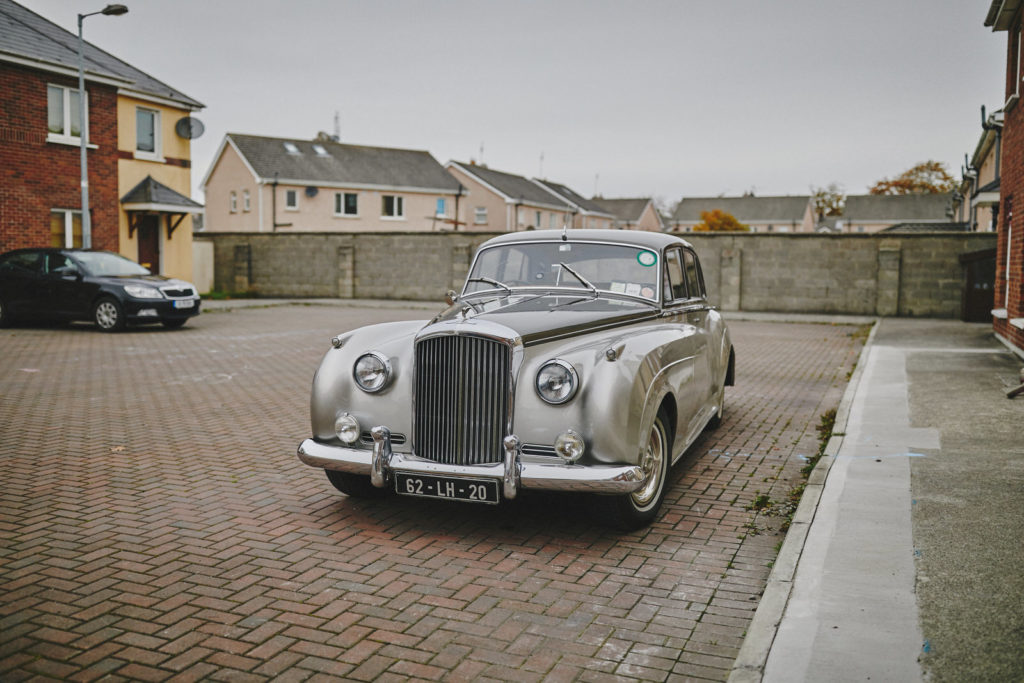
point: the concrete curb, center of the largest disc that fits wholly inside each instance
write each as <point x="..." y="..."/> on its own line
<point x="753" y="655"/>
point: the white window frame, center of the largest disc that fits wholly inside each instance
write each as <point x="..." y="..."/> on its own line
<point x="480" y="215"/>
<point x="291" y="148"/>
<point x="246" y="201"/>
<point x="339" y="204"/>
<point x="398" y="204"/>
<point x="537" y="224"/>
<point x="65" y="137"/>
<point x="291" y="200"/>
<point x="157" y="154"/>
<point x="552" y="221"/>
<point x="233" y="202"/>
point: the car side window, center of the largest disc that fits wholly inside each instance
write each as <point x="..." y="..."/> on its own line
<point x="59" y="264"/>
<point x="693" y="280"/>
<point x="675" y="283"/>
<point x="26" y="263"/>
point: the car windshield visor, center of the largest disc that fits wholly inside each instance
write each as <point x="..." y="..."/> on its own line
<point x="612" y="268"/>
<point x="99" y="264"/>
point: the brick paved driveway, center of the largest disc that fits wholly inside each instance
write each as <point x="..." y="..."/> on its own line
<point x="156" y="525"/>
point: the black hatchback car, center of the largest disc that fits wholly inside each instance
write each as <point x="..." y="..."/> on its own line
<point x="77" y="284"/>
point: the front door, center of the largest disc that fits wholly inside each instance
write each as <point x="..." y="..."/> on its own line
<point x="149" y="243"/>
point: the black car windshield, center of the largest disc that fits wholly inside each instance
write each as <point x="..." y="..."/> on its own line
<point x="615" y="268"/>
<point x="105" y="263"/>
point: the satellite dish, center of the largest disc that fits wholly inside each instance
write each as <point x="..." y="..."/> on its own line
<point x="311" y="191"/>
<point x="189" y="127"/>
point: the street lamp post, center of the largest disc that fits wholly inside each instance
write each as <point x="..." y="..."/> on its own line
<point x="83" y="120"/>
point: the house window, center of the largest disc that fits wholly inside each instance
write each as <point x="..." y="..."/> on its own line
<point x="346" y="204"/>
<point x="65" y="228"/>
<point x="442" y="207"/>
<point x="552" y="221"/>
<point x="246" y="206"/>
<point x="392" y="206"/>
<point x="64" y="118"/>
<point x="537" y="222"/>
<point x="147" y="133"/>
<point x="291" y="200"/>
<point x="291" y="148"/>
<point x="320" y="151"/>
<point x="233" y="201"/>
<point x="480" y="215"/>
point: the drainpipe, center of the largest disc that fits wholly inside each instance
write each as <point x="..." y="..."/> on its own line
<point x="273" y="207"/>
<point x="458" y="194"/>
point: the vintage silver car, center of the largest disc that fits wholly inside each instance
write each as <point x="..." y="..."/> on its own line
<point x="579" y="360"/>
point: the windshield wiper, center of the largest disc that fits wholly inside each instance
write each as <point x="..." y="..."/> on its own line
<point x="490" y="281"/>
<point x="585" y="281"/>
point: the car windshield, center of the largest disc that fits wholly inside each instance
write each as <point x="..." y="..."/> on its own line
<point x="586" y="266"/>
<point x="100" y="263"/>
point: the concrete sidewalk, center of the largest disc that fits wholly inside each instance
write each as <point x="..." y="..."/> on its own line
<point x="903" y="561"/>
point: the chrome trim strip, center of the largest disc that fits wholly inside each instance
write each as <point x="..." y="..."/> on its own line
<point x="555" y="476"/>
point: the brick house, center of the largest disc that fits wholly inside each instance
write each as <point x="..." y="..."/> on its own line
<point x="1008" y="307"/>
<point x="762" y="214"/>
<point x="131" y="120"/>
<point x="268" y="184"/>
<point x="637" y="213"/>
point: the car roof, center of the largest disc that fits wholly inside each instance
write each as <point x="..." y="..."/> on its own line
<point x="636" y="238"/>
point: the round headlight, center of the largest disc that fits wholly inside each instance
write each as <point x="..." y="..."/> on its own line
<point x="569" y="445"/>
<point x="347" y="428"/>
<point x="372" y="372"/>
<point x="557" y="381"/>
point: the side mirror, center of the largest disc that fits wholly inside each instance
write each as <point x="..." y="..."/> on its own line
<point x="451" y="297"/>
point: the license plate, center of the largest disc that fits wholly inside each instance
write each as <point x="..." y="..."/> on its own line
<point x="451" y="488"/>
<point x="185" y="303"/>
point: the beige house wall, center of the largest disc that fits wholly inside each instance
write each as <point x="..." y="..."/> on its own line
<point x="649" y="219"/>
<point x="230" y="174"/>
<point x="172" y="169"/>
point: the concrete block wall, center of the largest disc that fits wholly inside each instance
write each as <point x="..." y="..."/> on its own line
<point x="916" y="275"/>
<point x="879" y="274"/>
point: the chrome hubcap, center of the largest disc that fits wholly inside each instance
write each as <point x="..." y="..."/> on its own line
<point x="652" y="466"/>
<point x="106" y="315"/>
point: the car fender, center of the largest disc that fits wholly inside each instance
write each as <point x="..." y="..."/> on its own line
<point x="619" y="394"/>
<point x="335" y="392"/>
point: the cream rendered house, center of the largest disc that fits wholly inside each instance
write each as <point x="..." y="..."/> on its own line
<point x="762" y="214"/>
<point x="869" y="213"/>
<point x="638" y="213"/>
<point x="586" y="213"/>
<point x="265" y="184"/>
<point x="496" y="201"/>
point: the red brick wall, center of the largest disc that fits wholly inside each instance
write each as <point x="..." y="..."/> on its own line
<point x="37" y="176"/>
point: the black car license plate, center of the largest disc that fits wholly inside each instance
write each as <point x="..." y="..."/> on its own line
<point x="452" y="488"/>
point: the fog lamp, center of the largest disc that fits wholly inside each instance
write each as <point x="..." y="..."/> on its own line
<point x="347" y="428"/>
<point x="569" y="446"/>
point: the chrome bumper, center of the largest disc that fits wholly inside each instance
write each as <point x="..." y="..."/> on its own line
<point x="512" y="472"/>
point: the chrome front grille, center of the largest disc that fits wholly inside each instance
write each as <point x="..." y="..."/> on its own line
<point x="462" y="399"/>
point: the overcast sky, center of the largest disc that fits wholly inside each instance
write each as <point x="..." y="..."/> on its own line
<point x="665" y="98"/>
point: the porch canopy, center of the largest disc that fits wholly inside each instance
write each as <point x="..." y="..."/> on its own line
<point x="152" y="198"/>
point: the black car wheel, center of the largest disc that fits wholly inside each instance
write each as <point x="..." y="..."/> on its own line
<point x="355" y="485"/>
<point x="173" y="323"/>
<point x="108" y="314"/>
<point x="640" y="508"/>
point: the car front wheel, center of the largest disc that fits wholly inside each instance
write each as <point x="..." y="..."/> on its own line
<point x="108" y="315"/>
<point x="355" y="485"/>
<point x="640" y="508"/>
